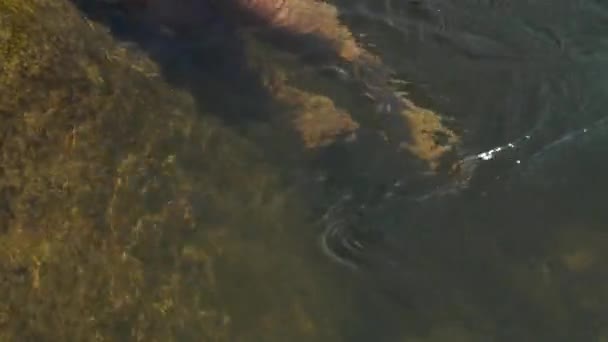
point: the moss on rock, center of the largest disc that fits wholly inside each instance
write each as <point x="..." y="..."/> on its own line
<point x="119" y="202"/>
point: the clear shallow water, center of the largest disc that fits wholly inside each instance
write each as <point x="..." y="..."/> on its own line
<point x="215" y="220"/>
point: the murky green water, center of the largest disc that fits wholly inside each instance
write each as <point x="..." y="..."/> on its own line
<point x="179" y="199"/>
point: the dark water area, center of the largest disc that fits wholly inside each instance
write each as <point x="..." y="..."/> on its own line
<point x="524" y="82"/>
<point x="481" y="219"/>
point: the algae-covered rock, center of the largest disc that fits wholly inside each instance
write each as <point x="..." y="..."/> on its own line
<point x="124" y="213"/>
<point x="78" y="115"/>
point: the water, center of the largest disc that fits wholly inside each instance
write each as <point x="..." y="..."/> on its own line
<point x="204" y="204"/>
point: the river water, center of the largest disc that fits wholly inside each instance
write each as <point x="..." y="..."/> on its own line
<point x="512" y="255"/>
<point x="502" y="238"/>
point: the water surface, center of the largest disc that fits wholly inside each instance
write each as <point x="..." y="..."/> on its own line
<point x="184" y="202"/>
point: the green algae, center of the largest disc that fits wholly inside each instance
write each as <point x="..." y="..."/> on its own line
<point x="125" y="214"/>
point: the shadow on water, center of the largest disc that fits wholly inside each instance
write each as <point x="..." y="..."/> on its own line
<point x="206" y="57"/>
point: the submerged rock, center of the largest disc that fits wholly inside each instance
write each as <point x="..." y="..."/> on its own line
<point x="124" y="211"/>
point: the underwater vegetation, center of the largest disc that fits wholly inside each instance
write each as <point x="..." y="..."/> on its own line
<point x="131" y="208"/>
<point x="124" y="212"/>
